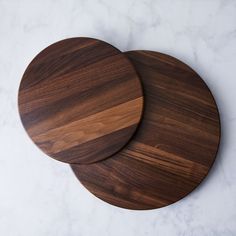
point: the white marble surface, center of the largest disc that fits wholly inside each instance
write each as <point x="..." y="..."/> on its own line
<point x="40" y="196"/>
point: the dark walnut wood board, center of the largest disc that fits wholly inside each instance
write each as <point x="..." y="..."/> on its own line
<point x="174" y="147"/>
<point x="80" y="100"/>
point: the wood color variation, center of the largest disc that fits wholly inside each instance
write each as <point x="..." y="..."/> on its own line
<point x="80" y="100"/>
<point x="174" y="147"/>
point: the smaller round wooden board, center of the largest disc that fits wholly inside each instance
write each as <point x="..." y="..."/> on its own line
<point x="80" y="100"/>
<point x="174" y="147"/>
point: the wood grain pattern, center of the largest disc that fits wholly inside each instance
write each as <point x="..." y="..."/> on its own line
<point x="174" y="147"/>
<point x="80" y="100"/>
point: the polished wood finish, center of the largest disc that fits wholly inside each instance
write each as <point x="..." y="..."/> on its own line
<point x="80" y="100"/>
<point x="174" y="147"/>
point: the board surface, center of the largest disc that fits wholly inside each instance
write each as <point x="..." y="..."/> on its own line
<point x="80" y="100"/>
<point x="174" y="147"/>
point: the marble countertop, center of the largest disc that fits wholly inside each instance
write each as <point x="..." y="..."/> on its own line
<point x="40" y="196"/>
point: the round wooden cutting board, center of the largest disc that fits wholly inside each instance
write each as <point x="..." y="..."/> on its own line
<point x="80" y="100"/>
<point x="174" y="147"/>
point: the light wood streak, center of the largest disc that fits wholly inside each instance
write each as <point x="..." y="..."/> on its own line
<point x="91" y="127"/>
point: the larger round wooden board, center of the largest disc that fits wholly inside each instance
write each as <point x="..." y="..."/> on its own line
<point x="80" y="100"/>
<point x="174" y="147"/>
